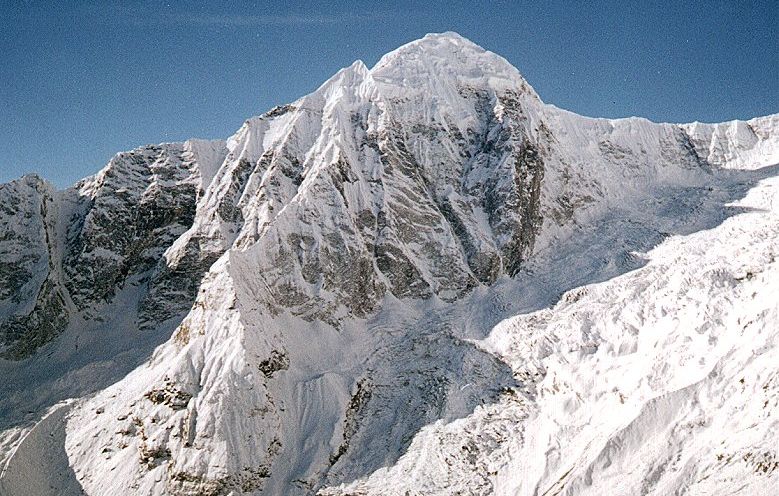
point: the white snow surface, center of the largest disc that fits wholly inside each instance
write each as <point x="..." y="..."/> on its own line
<point x="634" y="352"/>
<point x="659" y="381"/>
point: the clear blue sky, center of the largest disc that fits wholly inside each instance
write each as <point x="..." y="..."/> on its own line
<point x="80" y="81"/>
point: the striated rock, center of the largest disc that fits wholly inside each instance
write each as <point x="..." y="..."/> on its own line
<point x="68" y="254"/>
<point x="33" y="307"/>
<point x="330" y="273"/>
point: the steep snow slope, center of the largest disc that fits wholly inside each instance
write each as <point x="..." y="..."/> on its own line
<point x="660" y="381"/>
<point x="91" y="257"/>
<point x="362" y="241"/>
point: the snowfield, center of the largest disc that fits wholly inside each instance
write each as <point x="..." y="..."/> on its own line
<point x="418" y="279"/>
<point x="660" y="381"/>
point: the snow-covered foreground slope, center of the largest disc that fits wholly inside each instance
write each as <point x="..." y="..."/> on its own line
<point x="660" y="381"/>
<point x="362" y="292"/>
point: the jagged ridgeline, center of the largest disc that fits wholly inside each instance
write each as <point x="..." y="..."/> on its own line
<point x="408" y="204"/>
<point x="317" y="280"/>
<point x="66" y="255"/>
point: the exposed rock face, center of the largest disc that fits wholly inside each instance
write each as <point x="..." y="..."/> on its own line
<point x="24" y="237"/>
<point x="31" y="299"/>
<point x="654" y="382"/>
<point x="69" y="253"/>
<point x="337" y="258"/>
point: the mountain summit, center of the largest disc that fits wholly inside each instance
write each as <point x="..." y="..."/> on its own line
<point x="418" y="279"/>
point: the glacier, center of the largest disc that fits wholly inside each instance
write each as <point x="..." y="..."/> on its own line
<point x="418" y="279"/>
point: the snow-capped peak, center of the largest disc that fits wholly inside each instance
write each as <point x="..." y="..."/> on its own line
<point x="331" y="270"/>
<point x="420" y="64"/>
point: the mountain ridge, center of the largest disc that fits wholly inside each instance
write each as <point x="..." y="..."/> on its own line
<point x="319" y="272"/>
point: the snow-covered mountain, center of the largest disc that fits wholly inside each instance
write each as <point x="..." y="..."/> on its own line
<point x="419" y="279"/>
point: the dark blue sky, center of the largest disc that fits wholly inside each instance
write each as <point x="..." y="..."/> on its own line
<point x="80" y="81"/>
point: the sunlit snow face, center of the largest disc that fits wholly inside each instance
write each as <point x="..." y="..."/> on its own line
<point x="419" y="276"/>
